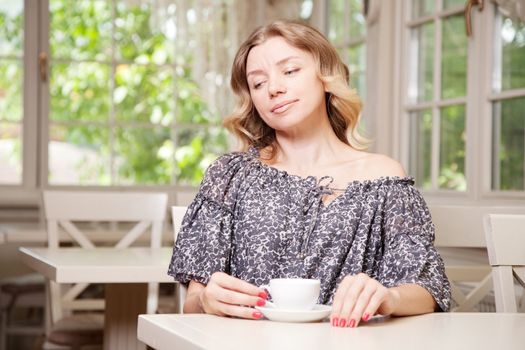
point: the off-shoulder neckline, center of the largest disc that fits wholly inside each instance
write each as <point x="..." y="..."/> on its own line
<point x="254" y="156"/>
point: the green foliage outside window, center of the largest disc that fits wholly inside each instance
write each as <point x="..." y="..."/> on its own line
<point x="11" y="75"/>
<point x="123" y="92"/>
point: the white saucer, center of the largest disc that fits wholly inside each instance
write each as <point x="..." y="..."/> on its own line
<point x="318" y="313"/>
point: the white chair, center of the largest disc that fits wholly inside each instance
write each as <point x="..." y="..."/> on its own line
<point x="62" y="209"/>
<point x="177" y="214"/>
<point x="505" y="236"/>
<point x="458" y="235"/>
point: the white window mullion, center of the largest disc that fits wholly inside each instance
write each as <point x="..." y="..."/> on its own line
<point x="434" y="165"/>
<point x="346" y="24"/>
<point x="436" y="97"/>
<point x="486" y="82"/>
<point x="496" y="66"/>
<point x="30" y="90"/>
<point x="43" y="93"/>
<point x="495" y="148"/>
<point x="411" y="91"/>
<point x="473" y="108"/>
<point x="413" y="49"/>
<point x="112" y="85"/>
<point x="503" y="95"/>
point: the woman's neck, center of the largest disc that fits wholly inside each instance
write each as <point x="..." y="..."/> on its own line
<point x="304" y="153"/>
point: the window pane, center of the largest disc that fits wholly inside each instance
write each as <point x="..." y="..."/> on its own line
<point x="10" y="153"/>
<point x="79" y="155"/>
<point x="422" y="7"/>
<point x="143" y="156"/>
<point x="144" y="93"/>
<point x="306" y="9"/>
<point x="191" y="108"/>
<point x="454" y="58"/>
<point x="508" y="159"/>
<point x="11" y="90"/>
<point x="512" y="54"/>
<point x="196" y="149"/>
<point x="11" y="77"/>
<point x="125" y="84"/>
<point x="357" y="66"/>
<point x="452" y="148"/>
<point x="421" y="147"/>
<point x="12" y="24"/>
<point x="357" y="19"/>
<point x="357" y="81"/>
<point x="335" y="24"/>
<point x="80" y="91"/>
<point x="424" y="40"/>
<point x="145" y="31"/>
<point x="453" y="3"/>
<point x="80" y="30"/>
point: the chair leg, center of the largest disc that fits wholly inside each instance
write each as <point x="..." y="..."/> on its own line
<point x="3" y="330"/>
<point x="38" y="344"/>
<point x="505" y="297"/>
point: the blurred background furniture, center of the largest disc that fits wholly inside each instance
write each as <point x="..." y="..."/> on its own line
<point x="124" y="272"/>
<point x="26" y="295"/>
<point x="177" y="214"/>
<point x="62" y="209"/>
<point x="174" y="302"/>
<point x="506" y="248"/>
<point x="460" y="241"/>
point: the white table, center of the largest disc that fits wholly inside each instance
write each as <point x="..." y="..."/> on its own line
<point x="433" y="331"/>
<point x="125" y="273"/>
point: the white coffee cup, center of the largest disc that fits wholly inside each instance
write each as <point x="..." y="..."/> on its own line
<point x="294" y="293"/>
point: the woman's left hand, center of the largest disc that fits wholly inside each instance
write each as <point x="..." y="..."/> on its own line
<point x="358" y="298"/>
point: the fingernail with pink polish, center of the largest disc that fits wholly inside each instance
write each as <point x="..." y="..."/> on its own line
<point x="257" y="315"/>
<point x="261" y="302"/>
<point x="263" y="295"/>
<point x="366" y="317"/>
<point x="342" y="323"/>
<point x="352" y="323"/>
<point x="335" y="321"/>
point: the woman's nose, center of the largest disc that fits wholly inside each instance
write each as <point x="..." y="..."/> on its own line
<point x="276" y="87"/>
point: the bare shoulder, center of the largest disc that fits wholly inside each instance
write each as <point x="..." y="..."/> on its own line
<point x="379" y="165"/>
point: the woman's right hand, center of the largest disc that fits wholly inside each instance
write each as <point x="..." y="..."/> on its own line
<point x="225" y="295"/>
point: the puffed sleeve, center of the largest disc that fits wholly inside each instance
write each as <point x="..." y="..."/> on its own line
<point x="409" y="255"/>
<point x="203" y="243"/>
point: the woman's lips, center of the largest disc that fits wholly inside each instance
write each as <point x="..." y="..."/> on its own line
<point x="283" y="106"/>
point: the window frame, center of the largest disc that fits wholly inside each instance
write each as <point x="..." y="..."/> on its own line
<point x="478" y="106"/>
<point x="490" y="20"/>
<point x="437" y="102"/>
<point x="25" y="193"/>
<point x="347" y="41"/>
<point x="35" y="126"/>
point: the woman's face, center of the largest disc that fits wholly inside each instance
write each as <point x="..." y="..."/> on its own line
<point x="284" y="86"/>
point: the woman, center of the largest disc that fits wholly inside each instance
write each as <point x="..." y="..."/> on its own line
<point x="304" y="199"/>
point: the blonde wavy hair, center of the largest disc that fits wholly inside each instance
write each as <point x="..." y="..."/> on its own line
<point x="343" y="105"/>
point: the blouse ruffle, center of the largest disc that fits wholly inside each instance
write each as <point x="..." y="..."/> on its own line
<point x="257" y="222"/>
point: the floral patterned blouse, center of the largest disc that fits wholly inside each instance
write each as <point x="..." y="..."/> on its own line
<point x="256" y="222"/>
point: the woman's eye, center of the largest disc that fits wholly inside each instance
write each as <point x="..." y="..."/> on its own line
<point x="257" y="85"/>
<point x="291" y="71"/>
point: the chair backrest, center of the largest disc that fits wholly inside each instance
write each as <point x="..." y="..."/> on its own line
<point x="63" y="208"/>
<point x="505" y="235"/>
<point x="459" y="232"/>
<point x="177" y="214"/>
